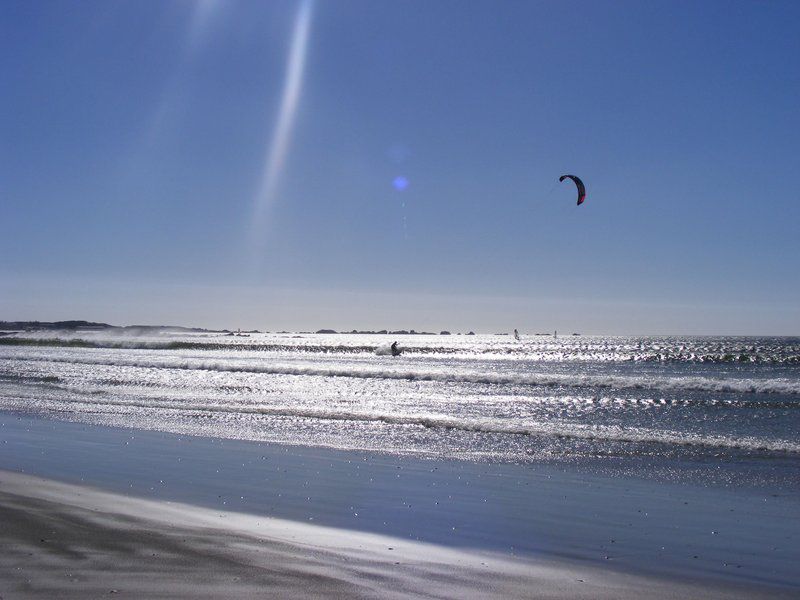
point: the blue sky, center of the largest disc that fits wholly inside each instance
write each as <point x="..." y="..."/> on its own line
<point x="231" y="164"/>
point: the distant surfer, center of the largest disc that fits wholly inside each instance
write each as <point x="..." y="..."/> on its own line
<point x="395" y="350"/>
<point x="516" y="335"/>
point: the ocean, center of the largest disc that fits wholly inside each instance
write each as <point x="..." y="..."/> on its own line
<point x="722" y="410"/>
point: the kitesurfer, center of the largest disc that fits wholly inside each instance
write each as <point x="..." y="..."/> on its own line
<point x="395" y="349"/>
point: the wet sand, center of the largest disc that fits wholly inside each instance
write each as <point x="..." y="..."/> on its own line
<point x="65" y="541"/>
<point x="88" y="509"/>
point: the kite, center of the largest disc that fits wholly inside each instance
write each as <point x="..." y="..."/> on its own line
<point x="579" y="183"/>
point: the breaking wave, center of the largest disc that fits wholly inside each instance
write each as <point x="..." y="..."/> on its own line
<point x="603" y="433"/>
<point x="622" y="353"/>
<point x="618" y="382"/>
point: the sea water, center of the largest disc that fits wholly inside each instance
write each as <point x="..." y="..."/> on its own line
<point x="724" y="409"/>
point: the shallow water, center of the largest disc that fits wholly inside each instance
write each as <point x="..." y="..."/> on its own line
<point x="721" y="409"/>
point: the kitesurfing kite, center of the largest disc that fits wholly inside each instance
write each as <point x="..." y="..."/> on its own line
<point x="579" y="183"/>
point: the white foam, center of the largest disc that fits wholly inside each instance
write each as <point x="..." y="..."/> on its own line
<point x="618" y="382"/>
<point x="609" y="433"/>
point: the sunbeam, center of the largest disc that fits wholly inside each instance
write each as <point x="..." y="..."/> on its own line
<point x="275" y="155"/>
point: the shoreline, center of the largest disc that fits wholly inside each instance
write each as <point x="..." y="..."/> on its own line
<point x="721" y="538"/>
<point x="75" y="541"/>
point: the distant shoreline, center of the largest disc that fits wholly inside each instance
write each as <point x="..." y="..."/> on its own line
<point x="84" y="326"/>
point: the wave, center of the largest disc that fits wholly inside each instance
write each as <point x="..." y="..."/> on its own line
<point x="14" y="377"/>
<point x="533" y="353"/>
<point x="599" y="433"/>
<point x="618" y="382"/>
<point x="136" y="344"/>
<point x="137" y="385"/>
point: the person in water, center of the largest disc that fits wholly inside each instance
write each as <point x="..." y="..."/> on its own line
<point x="395" y="349"/>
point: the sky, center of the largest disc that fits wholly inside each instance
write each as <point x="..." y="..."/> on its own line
<point x="359" y="164"/>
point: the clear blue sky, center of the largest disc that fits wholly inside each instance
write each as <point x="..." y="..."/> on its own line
<point x="223" y="163"/>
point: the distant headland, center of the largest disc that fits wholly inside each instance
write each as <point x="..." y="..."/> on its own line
<point x="91" y="326"/>
<point x="79" y="325"/>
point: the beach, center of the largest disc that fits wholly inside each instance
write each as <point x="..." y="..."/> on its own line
<point x="203" y="464"/>
<point x="138" y="513"/>
<point x="66" y="541"/>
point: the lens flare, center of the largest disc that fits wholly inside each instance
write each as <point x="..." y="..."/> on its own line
<point x="400" y="183"/>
